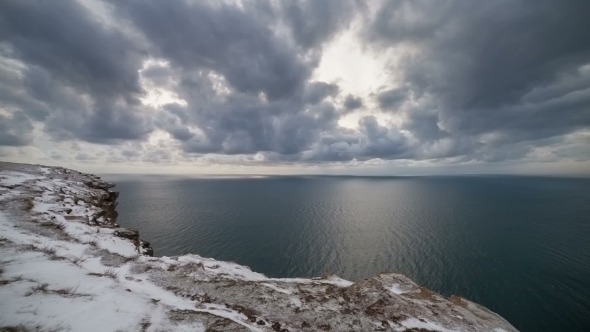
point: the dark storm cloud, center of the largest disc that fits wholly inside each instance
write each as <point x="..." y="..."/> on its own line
<point x="351" y="102"/>
<point x="245" y="125"/>
<point x="317" y="91"/>
<point x="485" y="81"/>
<point x="373" y="141"/>
<point x="240" y="126"/>
<point x="423" y="123"/>
<point x="73" y="46"/>
<point x="509" y="67"/>
<point x="313" y="22"/>
<point x="391" y="99"/>
<point x="13" y="93"/>
<point x="81" y="77"/>
<point x="381" y="141"/>
<point x="15" y="129"/>
<point x="224" y="38"/>
<point x="251" y="59"/>
<point x="71" y="115"/>
<point x="110" y="122"/>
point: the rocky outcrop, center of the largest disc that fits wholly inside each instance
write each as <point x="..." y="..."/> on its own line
<point x="127" y="233"/>
<point x="62" y="251"/>
<point x="81" y="189"/>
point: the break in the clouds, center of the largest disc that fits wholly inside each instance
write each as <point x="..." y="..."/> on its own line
<point x="295" y="82"/>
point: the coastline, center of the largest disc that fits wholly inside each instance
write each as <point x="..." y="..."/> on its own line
<point x="67" y="265"/>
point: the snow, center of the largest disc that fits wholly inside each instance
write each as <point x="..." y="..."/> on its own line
<point x="332" y="280"/>
<point x="58" y="283"/>
<point x="14" y="178"/>
<point x="336" y="281"/>
<point x="96" y="303"/>
<point x="296" y="302"/>
<point x="97" y="306"/>
<point x="62" y="268"/>
<point x="396" y="289"/>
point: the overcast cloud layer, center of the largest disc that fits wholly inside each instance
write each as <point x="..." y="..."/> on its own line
<point x="299" y="83"/>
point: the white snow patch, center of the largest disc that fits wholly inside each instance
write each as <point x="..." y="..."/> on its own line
<point x="337" y="281"/>
<point x="296" y="301"/>
<point x="9" y="178"/>
<point x="58" y="294"/>
<point x="332" y="280"/>
<point x="396" y="289"/>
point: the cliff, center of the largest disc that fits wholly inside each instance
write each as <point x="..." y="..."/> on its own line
<point x="65" y="264"/>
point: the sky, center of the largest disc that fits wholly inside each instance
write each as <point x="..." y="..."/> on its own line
<point x="400" y="87"/>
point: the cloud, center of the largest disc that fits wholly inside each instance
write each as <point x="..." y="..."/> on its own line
<point x="79" y="51"/>
<point x="351" y="102"/>
<point x="317" y="91"/>
<point x="158" y="81"/>
<point x="312" y="22"/>
<point x="482" y="62"/>
<point x="507" y="76"/>
<point x="15" y="129"/>
<point x="392" y="99"/>
<point x="382" y="142"/>
<point x="78" y="76"/>
<point x="223" y="38"/>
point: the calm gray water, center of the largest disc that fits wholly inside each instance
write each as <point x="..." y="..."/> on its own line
<point x="518" y="245"/>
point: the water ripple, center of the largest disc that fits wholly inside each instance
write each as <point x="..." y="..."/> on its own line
<point x="518" y="245"/>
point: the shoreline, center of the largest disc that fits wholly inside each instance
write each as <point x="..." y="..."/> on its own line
<point x="63" y="251"/>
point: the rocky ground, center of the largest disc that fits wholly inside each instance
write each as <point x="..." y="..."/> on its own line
<point x="65" y="265"/>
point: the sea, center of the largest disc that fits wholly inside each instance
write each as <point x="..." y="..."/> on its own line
<point x="519" y="245"/>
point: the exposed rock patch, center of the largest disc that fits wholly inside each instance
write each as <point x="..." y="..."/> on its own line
<point x="127" y="233"/>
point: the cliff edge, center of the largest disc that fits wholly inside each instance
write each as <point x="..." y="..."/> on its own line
<point x="66" y="265"/>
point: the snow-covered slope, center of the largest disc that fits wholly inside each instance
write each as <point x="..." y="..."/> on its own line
<point x="66" y="265"/>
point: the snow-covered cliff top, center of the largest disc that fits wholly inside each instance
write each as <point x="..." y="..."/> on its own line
<point x="66" y="265"/>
